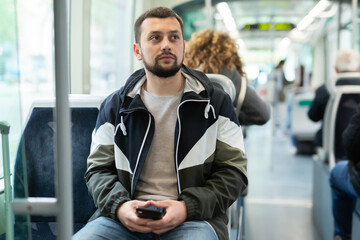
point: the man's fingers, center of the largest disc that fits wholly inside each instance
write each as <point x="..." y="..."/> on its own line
<point x="141" y="229"/>
<point x="142" y="204"/>
<point x="158" y="204"/>
<point x="162" y="224"/>
<point x="157" y="224"/>
<point x="139" y="225"/>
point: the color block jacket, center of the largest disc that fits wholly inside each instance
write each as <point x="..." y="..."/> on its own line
<point x="209" y="156"/>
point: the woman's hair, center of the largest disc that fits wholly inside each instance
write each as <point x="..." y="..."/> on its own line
<point x="210" y="51"/>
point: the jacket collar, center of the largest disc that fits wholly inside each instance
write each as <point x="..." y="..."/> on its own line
<point x="197" y="85"/>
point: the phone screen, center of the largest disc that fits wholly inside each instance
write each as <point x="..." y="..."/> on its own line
<point x="154" y="214"/>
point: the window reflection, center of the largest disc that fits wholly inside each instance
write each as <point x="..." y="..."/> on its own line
<point x="35" y="31"/>
<point x="9" y="77"/>
<point x="110" y="44"/>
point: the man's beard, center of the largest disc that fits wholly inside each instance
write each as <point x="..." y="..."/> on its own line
<point x="160" y="71"/>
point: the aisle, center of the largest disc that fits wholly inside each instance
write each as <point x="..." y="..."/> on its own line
<point x="279" y="201"/>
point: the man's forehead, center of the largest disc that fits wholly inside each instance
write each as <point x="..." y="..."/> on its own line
<point x="154" y="24"/>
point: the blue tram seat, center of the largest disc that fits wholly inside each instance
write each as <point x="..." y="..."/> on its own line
<point x="35" y="163"/>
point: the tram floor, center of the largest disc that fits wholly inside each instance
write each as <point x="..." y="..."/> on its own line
<point x="279" y="201"/>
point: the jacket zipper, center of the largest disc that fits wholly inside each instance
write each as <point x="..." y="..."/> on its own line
<point x="141" y="148"/>
<point x="178" y="140"/>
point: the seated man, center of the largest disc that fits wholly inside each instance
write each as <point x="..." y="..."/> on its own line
<point x="168" y="139"/>
<point x="346" y="61"/>
<point x="345" y="180"/>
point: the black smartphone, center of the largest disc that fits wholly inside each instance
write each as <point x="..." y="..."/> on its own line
<point x="154" y="214"/>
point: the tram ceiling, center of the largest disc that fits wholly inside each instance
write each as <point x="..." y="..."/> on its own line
<point x="271" y="19"/>
<point x="258" y="22"/>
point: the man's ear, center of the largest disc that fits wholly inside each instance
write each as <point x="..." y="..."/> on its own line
<point x="137" y="51"/>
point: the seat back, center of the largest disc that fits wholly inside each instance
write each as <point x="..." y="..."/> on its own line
<point x="34" y="173"/>
<point x="342" y="104"/>
<point x="224" y="83"/>
<point x="302" y="128"/>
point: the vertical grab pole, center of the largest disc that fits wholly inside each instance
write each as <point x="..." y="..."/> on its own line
<point x="354" y="23"/>
<point x="63" y="180"/>
<point x="4" y="129"/>
<point x="208" y="11"/>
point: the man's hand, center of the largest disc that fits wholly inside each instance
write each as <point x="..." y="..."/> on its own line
<point x="126" y="213"/>
<point x="175" y="215"/>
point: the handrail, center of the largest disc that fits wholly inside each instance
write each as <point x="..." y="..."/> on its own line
<point x="331" y="85"/>
<point x="5" y="129"/>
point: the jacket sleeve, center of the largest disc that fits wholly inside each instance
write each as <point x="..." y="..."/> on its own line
<point x="228" y="177"/>
<point x="254" y="110"/>
<point x="101" y="175"/>
<point x="317" y="108"/>
<point x="351" y="138"/>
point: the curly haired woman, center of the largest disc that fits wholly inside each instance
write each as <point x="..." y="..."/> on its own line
<point x="215" y="52"/>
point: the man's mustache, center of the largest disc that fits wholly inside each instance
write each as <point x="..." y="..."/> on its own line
<point x="166" y="54"/>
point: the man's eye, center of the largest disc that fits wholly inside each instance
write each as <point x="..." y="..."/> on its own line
<point x="155" y="38"/>
<point x="175" y="37"/>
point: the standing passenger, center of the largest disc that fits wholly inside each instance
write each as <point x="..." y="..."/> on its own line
<point x="215" y="52"/>
<point x="277" y="82"/>
<point x="167" y="139"/>
<point x="277" y="75"/>
<point x="345" y="180"/>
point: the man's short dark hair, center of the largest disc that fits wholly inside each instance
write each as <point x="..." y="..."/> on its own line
<point x="157" y="12"/>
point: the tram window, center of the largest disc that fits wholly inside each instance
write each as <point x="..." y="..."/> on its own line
<point x="36" y="59"/>
<point x="27" y="55"/>
<point x="29" y="50"/>
<point x="110" y="45"/>
<point x="10" y="110"/>
<point x="346" y="22"/>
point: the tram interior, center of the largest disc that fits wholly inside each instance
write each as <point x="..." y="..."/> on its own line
<point x="289" y="195"/>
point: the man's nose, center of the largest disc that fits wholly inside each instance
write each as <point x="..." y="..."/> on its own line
<point x="165" y="45"/>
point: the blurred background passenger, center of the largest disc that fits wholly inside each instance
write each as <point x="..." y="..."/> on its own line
<point x="345" y="181"/>
<point x="277" y="82"/>
<point x="215" y="52"/>
<point x="346" y="61"/>
<point x="278" y="77"/>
